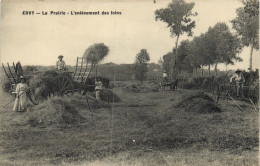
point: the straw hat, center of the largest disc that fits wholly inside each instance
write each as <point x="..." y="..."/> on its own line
<point x="238" y="71"/>
<point x="61" y="56"/>
<point x="22" y="78"/>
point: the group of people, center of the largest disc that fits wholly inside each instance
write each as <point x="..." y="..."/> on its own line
<point x="21" y="89"/>
<point x="238" y="78"/>
<point x="21" y="100"/>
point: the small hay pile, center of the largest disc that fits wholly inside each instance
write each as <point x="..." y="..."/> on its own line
<point x="143" y="88"/>
<point x="198" y="102"/>
<point x="55" y="111"/>
<point x="131" y="88"/>
<point x="108" y="96"/>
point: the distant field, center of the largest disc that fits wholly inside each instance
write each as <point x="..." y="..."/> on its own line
<point x="148" y="128"/>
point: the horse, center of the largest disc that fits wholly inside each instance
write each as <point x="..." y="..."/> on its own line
<point x="173" y="85"/>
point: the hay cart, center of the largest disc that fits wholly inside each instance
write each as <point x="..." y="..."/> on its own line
<point x="66" y="82"/>
<point x="170" y="83"/>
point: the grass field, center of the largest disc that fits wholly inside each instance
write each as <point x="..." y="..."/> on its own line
<point x="149" y="128"/>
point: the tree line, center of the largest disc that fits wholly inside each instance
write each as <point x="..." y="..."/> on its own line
<point x="217" y="45"/>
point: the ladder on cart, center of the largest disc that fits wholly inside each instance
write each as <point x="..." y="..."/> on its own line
<point x="82" y="71"/>
<point x="10" y="72"/>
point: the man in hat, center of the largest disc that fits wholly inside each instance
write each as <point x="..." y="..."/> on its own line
<point x="60" y="64"/>
<point x="239" y="80"/>
<point x="20" y="102"/>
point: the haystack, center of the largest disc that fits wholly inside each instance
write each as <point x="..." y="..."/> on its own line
<point x="198" y="102"/>
<point x="5" y="84"/>
<point x="96" y="52"/>
<point x="131" y="88"/>
<point x="55" y="111"/>
<point x="108" y="96"/>
<point x="143" y="88"/>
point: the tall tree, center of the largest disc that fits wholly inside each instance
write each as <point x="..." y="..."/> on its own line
<point x="167" y="62"/>
<point x="195" y="52"/>
<point x="182" y="52"/>
<point x="247" y="25"/>
<point x="160" y="63"/>
<point x="141" y="66"/>
<point x="222" y="45"/>
<point x="178" y="16"/>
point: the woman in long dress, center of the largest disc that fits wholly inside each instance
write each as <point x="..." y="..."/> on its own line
<point x="20" y="103"/>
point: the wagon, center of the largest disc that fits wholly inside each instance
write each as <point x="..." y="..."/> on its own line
<point x="66" y="82"/>
<point x="171" y="83"/>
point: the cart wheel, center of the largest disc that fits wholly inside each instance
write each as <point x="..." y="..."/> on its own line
<point x="64" y="86"/>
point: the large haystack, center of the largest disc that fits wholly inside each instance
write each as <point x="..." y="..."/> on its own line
<point x="96" y="52"/>
<point x="55" y="111"/>
<point x="198" y="102"/>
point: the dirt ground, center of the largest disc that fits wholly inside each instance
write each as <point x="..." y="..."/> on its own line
<point x="142" y="129"/>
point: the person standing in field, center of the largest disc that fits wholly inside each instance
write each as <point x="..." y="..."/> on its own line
<point x="20" y="102"/>
<point x="239" y="80"/>
<point x="60" y="64"/>
<point x="165" y="77"/>
<point x="98" y="87"/>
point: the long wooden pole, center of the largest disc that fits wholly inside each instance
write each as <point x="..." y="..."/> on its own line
<point x="235" y="102"/>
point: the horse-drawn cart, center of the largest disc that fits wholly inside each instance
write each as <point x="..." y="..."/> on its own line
<point x="172" y="84"/>
<point x="62" y="82"/>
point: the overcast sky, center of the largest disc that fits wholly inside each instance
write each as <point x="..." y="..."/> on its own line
<point x="39" y="39"/>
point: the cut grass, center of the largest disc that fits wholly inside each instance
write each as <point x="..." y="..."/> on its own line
<point x="140" y="126"/>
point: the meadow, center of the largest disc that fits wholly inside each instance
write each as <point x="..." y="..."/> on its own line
<point x="145" y="127"/>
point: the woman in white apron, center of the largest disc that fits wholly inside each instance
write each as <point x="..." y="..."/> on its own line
<point x="20" y="102"/>
<point x="98" y="88"/>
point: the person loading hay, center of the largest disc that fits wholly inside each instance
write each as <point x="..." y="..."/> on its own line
<point x="98" y="87"/>
<point x="239" y="80"/>
<point x="20" y="102"/>
<point x="60" y="64"/>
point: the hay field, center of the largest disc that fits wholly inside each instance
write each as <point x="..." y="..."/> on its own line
<point x="147" y="128"/>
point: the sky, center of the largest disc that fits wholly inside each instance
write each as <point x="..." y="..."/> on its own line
<point x="40" y="39"/>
